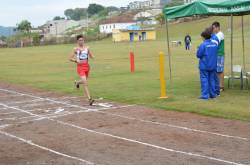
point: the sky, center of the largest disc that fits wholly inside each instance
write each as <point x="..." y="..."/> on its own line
<point x="39" y="11"/>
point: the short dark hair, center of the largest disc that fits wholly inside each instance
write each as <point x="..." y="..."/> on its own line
<point x="79" y="36"/>
<point x="216" y="24"/>
<point x="206" y="33"/>
<point x="210" y="29"/>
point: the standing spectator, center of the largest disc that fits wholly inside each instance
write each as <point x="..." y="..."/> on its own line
<point x="218" y="38"/>
<point x="187" y="41"/>
<point x="207" y="54"/>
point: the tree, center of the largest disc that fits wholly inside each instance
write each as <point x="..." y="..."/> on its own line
<point x="3" y="38"/>
<point x="69" y="13"/>
<point x="112" y="8"/>
<point x="58" y="18"/>
<point x="24" y="26"/>
<point x="76" y="14"/>
<point x="36" y="39"/>
<point x="95" y="9"/>
<point x="160" y="18"/>
<point x="104" y="12"/>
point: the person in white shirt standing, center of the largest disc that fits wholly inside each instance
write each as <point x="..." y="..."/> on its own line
<point x="218" y="37"/>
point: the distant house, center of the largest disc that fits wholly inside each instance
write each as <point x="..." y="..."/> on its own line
<point x="136" y="5"/>
<point x="159" y="4"/>
<point x="3" y="44"/>
<point x="60" y="27"/>
<point x="148" y="4"/>
<point x="108" y="28"/>
<point x="148" y="15"/>
<point x="117" y="22"/>
<point x="134" y="33"/>
<point x="36" y="30"/>
<point x="188" y="1"/>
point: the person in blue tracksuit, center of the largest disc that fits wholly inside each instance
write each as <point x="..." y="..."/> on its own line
<point x="207" y="54"/>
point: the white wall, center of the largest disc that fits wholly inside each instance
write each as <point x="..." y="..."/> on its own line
<point x="142" y="14"/>
<point x="59" y="27"/>
<point x="108" y="28"/>
<point x="188" y="1"/>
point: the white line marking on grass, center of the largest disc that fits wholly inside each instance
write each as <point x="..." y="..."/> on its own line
<point x="46" y="149"/>
<point x="158" y="123"/>
<point x="130" y="140"/>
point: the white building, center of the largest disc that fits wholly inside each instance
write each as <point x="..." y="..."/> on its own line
<point x="136" y="5"/>
<point x="60" y="27"/>
<point x="159" y="3"/>
<point x="117" y="22"/>
<point x="188" y="1"/>
<point x="148" y="4"/>
<point x="108" y="28"/>
<point x="150" y="15"/>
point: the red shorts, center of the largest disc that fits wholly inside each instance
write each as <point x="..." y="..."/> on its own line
<point x="83" y="70"/>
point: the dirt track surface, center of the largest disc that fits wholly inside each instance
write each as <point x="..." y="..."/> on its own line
<point x="39" y="127"/>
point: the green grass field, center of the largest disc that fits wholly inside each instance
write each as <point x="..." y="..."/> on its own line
<point x="48" y="68"/>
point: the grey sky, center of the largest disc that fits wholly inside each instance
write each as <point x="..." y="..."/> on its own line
<point x="39" y="11"/>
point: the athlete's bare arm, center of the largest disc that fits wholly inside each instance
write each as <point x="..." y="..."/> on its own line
<point x="72" y="56"/>
<point x="90" y="54"/>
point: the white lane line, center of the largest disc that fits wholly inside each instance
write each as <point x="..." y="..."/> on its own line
<point x="67" y="113"/>
<point x="41" y="117"/>
<point x="148" y="144"/>
<point x="26" y="101"/>
<point x="4" y="126"/>
<point x="45" y="148"/>
<point x="16" y="95"/>
<point x="132" y="140"/>
<point x="59" y="110"/>
<point x="37" y="110"/>
<point x="27" y="117"/>
<point x="158" y="123"/>
<point x="48" y="99"/>
<point x="37" y="104"/>
<point x="67" y="97"/>
<point x="175" y="126"/>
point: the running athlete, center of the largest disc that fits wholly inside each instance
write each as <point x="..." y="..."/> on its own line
<point x="80" y="56"/>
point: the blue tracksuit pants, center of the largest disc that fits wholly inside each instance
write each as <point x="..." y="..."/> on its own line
<point x="208" y="82"/>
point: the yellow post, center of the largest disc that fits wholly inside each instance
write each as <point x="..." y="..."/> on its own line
<point x="162" y="77"/>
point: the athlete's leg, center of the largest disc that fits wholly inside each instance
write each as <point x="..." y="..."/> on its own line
<point x="85" y="86"/>
<point x="221" y="75"/>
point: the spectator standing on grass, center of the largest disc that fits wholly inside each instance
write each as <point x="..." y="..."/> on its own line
<point x="187" y="41"/>
<point x="207" y="54"/>
<point x="218" y="38"/>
